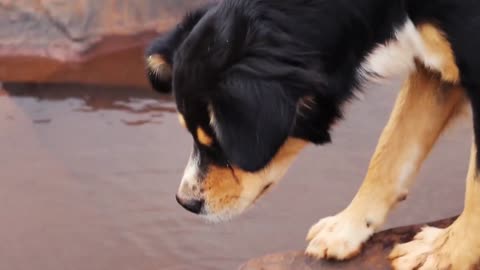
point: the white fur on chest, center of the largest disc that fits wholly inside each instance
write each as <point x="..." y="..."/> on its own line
<point x="396" y="57"/>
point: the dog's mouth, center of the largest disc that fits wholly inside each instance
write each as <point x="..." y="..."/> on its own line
<point x="263" y="191"/>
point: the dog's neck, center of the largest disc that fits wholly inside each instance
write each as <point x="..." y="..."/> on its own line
<point x="350" y="37"/>
<point x="367" y="40"/>
<point x="373" y="24"/>
<point x="338" y="36"/>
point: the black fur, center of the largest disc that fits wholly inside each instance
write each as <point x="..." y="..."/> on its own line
<point x="253" y="61"/>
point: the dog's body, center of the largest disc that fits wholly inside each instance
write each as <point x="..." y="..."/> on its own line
<point x="257" y="80"/>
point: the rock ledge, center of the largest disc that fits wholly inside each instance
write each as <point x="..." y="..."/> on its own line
<point x="373" y="257"/>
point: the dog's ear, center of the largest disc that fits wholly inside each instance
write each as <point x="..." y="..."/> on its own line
<point x="159" y="55"/>
<point x="252" y="119"/>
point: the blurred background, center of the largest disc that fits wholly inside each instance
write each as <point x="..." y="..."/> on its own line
<point x="91" y="157"/>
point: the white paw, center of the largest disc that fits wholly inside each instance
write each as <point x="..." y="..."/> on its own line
<point x="437" y="249"/>
<point x="417" y="254"/>
<point x="338" y="237"/>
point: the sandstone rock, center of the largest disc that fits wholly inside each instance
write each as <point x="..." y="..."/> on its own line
<point x="374" y="256"/>
<point x="92" y="41"/>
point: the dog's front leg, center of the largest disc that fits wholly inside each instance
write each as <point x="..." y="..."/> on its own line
<point x="422" y="111"/>
<point x="454" y="248"/>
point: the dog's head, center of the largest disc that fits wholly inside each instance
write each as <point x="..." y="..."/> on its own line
<point x="249" y="98"/>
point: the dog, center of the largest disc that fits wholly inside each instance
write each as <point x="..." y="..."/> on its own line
<point x="256" y="81"/>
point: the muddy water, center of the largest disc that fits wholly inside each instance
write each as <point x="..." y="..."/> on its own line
<point x="88" y="177"/>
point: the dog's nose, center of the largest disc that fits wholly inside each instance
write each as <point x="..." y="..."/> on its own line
<point x="192" y="205"/>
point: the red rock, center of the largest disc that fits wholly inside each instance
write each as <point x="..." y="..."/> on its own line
<point x="81" y="41"/>
<point x="373" y="257"/>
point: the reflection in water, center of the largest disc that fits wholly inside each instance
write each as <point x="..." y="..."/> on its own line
<point x="140" y="122"/>
<point x="143" y="103"/>
<point x="42" y="121"/>
<point x="88" y="177"/>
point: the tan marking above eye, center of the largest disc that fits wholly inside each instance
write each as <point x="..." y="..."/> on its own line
<point x="181" y="119"/>
<point x="203" y="137"/>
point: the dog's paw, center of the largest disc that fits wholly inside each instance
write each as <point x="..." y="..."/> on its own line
<point x="434" y="249"/>
<point x="416" y="254"/>
<point x="338" y="237"/>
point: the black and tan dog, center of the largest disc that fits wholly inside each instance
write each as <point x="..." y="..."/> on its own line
<point x="255" y="81"/>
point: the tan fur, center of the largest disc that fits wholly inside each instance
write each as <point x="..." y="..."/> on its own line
<point x="438" y="45"/>
<point x="454" y="248"/>
<point x="222" y="188"/>
<point x="422" y="111"/>
<point x="181" y="120"/>
<point x="203" y="137"/>
<point x="157" y="64"/>
<point x="233" y="190"/>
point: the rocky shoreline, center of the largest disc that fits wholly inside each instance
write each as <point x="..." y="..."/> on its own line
<point x="57" y="41"/>
<point x="374" y="256"/>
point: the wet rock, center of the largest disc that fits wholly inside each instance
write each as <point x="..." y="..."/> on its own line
<point x="85" y="40"/>
<point x="374" y="256"/>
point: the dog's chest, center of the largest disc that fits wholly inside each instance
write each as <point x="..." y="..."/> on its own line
<point x="423" y="43"/>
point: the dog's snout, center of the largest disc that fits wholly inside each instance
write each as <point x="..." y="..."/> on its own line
<point x="192" y="205"/>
